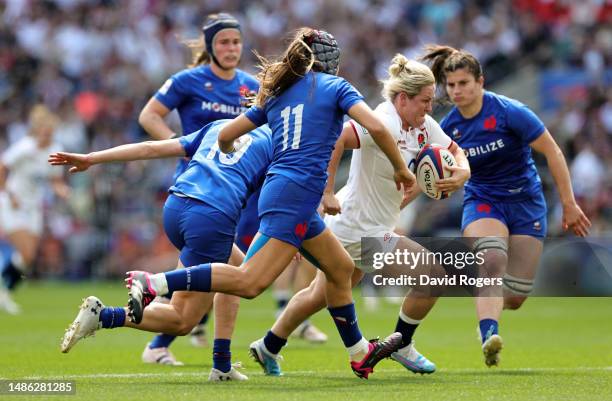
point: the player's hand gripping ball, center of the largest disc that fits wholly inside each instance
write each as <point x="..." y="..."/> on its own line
<point x="430" y="163"/>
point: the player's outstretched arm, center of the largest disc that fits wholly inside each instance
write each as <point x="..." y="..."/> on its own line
<point x="364" y="115"/>
<point x="133" y="151"/>
<point x="573" y="216"/>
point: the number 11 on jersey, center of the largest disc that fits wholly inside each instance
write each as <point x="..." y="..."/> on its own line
<point x="297" y="125"/>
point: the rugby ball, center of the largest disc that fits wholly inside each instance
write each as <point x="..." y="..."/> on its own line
<point x="430" y="163"/>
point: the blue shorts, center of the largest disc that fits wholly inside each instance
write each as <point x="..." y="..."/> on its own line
<point x="200" y="232"/>
<point x="288" y="211"/>
<point x="248" y="225"/>
<point x="526" y="217"/>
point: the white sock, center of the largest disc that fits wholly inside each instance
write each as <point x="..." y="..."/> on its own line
<point x="361" y="347"/>
<point x="280" y="295"/>
<point x="408" y="319"/>
<point x="17" y="261"/>
<point x="159" y="283"/>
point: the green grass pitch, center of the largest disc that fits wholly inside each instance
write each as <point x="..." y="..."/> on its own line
<point x="555" y="349"/>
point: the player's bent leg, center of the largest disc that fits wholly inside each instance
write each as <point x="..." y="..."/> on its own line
<point x="246" y="281"/>
<point x="188" y="307"/>
<point x="226" y="306"/>
<point x="267" y="258"/>
<point x="281" y="288"/>
<point x="226" y="309"/>
<point x="490" y="238"/>
<point x="338" y="267"/>
<point x="226" y="312"/>
<point x="257" y="273"/>
<point x="417" y="303"/>
<point x="305" y="273"/>
<point x="523" y="258"/>
<point x="92" y="316"/>
<point x="301" y="306"/>
<point x="25" y="244"/>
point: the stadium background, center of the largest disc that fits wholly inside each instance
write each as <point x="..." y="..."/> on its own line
<point x="96" y="62"/>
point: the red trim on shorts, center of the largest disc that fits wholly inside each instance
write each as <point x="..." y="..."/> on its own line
<point x="355" y="132"/>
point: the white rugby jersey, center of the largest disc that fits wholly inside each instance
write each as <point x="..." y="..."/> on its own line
<point x="370" y="200"/>
<point x="29" y="170"/>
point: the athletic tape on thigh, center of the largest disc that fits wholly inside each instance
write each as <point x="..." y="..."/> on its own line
<point x="517" y="285"/>
<point x="482" y="244"/>
<point x="310" y="258"/>
<point x="256" y="245"/>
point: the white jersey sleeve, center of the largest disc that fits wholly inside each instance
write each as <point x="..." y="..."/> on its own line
<point x="389" y="119"/>
<point x="17" y="151"/>
<point x="436" y="133"/>
<point x="362" y="134"/>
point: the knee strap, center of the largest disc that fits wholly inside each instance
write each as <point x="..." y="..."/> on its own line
<point x="519" y="286"/>
<point x="486" y="243"/>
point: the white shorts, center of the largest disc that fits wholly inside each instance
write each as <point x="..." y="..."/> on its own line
<point x="386" y="242"/>
<point x="27" y="217"/>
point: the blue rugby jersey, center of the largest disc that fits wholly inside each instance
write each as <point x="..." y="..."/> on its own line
<point x="201" y="97"/>
<point x="224" y="181"/>
<point x="306" y="121"/>
<point x="496" y="142"/>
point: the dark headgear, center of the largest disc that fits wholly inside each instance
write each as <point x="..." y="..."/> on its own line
<point x="326" y="51"/>
<point x="213" y="26"/>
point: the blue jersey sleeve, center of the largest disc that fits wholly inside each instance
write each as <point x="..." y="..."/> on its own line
<point x="524" y="122"/>
<point x="192" y="142"/>
<point x="348" y="96"/>
<point x="257" y="115"/>
<point x="171" y="94"/>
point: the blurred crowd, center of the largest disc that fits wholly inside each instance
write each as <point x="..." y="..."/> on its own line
<point x="96" y="63"/>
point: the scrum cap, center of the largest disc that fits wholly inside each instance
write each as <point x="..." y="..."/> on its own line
<point x="215" y="24"/>
<point x="326" y="51"/>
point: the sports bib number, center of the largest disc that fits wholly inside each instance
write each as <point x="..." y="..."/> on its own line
<point x="231" y="158"/>
<point x="297" y="125"/>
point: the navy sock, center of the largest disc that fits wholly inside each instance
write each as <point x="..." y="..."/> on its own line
<point x="488" y="327"/>
<point x="345" y="318"/>
<point x="190" y="278"/>
<point x="204" y="319"/>
<point x="273" y="342"/>
<point x="12" y="276"/>
<point x="161" y="341"/>
<point x="281" y="303"/>
<point x="112" y="317"/>
<point x="222" y="356"/>
<point x="407" y="330"/>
